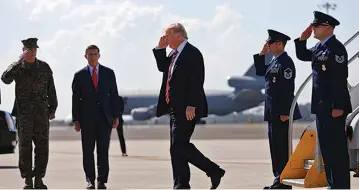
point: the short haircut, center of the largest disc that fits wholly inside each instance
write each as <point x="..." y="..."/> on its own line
<point x="92" y="47"/>
<point x="178" y="28"/>
<point x="284" y="43"/>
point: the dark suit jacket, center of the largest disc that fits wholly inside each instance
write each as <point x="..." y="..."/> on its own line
<point x="86" y="101"/>
<point x="186" y="83"/>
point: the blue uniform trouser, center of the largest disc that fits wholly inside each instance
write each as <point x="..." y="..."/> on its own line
<point x="333" y="145"/>
<point x="278" y="142"/>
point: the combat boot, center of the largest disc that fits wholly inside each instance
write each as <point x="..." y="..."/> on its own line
<point x="28" y="183"/>
<point x="39" y="184"/>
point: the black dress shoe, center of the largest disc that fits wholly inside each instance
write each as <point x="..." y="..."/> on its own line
<point x="28" y="183"/>
<point x="182" y="187"/>
<point x="101" y="185"/>
<point x="266" y="187"/>
<point x="90" y="185"/>
<point x="39" y="184"/>
<point x="278" y="186"/>
<point x="216" y="178"/>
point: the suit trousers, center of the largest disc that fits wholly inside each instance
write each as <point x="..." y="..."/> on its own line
<point x="184" y="152"/>
<point x="333" y="145"/>
<point x="99" y="134"/>
<point x="121" y="137"/>
<point x="278" y="143"/>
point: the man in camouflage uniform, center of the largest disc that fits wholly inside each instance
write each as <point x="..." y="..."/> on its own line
<point x="35" y="104"/>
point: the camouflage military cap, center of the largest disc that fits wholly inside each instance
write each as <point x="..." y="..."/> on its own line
<point x="30" y="43"/>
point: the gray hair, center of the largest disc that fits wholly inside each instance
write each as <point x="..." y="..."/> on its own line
<point x="178" y="28"/>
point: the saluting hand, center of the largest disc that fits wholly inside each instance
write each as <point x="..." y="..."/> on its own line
<point x="307" y="33"/>
<point x="265" y="49"/>
<point x="190" y="112"/>
<point x="23" y="55"/>
<point x="163" y="42"/>
<point x="337" y="113"/>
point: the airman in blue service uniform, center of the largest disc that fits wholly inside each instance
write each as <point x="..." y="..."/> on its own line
<point x="279" y="76"/>
<point x="330" y="95"/>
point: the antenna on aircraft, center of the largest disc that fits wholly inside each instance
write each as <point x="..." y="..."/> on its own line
<point x="328" y="6"/>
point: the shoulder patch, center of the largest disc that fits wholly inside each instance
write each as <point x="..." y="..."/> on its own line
<point x="339" y="58"/>
<point x="288" y="73"/>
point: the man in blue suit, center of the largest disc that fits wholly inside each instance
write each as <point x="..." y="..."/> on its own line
<point x="95" y="112"/>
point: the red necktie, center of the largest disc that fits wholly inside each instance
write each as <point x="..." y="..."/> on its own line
<point x="169" y="76"/>
<point x="94" y="78"/>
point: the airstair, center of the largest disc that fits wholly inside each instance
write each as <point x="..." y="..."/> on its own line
<point x="305" y="167"/>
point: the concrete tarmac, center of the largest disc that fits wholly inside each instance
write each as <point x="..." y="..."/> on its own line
<point x="212" y="131"/>
<point x="242" y="150"/>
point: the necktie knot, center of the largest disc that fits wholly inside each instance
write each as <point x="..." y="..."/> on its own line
<point x="319" y="46"/>
<point x="175" y="53"/>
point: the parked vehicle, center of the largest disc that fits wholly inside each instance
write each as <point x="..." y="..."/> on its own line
<point x="8" y="133"/>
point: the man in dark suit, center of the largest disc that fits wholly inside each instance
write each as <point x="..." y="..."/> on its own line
<point x="121" y="137"/>
<point x="183" y="97"/>
<point x="95" y="112"/>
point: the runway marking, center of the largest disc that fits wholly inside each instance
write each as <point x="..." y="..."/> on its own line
<point x="158" y="158"/>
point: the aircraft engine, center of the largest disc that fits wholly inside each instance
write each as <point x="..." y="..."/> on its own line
<point x="246" y="99"/>
<point x="246" y="82"/>
<point x="143" y="113"/>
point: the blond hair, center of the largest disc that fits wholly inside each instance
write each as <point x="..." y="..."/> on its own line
<point x="178" y="28"/>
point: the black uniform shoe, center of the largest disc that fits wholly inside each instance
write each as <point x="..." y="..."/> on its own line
<point x="101" y="185"/>
<point x="278" y="186"/>
<point x="90" y="185"/>
<point x="39" y="184"/>
<point x="28" y="183"/>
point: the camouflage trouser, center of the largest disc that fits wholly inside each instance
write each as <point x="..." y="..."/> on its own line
<point x="31" y="130"/>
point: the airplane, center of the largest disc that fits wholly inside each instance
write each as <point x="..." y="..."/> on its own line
<point x="247" y="94"/>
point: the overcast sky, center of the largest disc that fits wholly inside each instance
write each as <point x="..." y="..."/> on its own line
<point x="227" y="32"/>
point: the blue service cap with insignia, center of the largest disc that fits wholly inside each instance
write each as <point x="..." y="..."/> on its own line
<point x="324" y="19"/>
<point x="275" y="36"/>
<point x="30" y="43"/>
